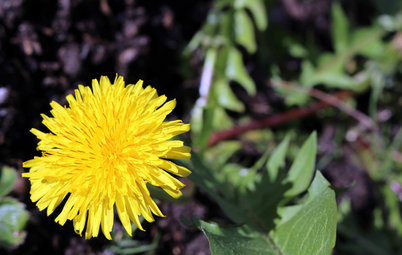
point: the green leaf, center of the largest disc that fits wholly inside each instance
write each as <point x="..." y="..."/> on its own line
<point x="305" y="229"/>
<point x="392" y="203"/>
<point x="337" y="80"/>
<point x="312" y="228"/>
<point x="267" y="193"/>
<point x="250" y="198"/>
<point x="302" y="169"/>
<point x="334" y="76"/>
<point x="257" y="9"/>
<point x="236" y="71"/>
<point x="226" y="97"/>
<point x="204" y="120"/>
<point x="339" y="28"/>
<point x="260" y="205"/>
<point x="7" y="178"/>
<point x="236" y="240"/>
<point x="244" y="31"/>
<point x="292" y="98"/>
<point x="226" y="28"/>
<point x="221" y="119"/>
<point x="220" y="153"/>
<point x="129" y="247"/>
<point x="307" y="73"/>
<point x="239" y="176"/>
<point x="330" y="68"/>
<point x="217" y="187"/>
<point x="277" y="159"/>
<point x="259" y="12"/>
<point x="374" y="48"/>
<point x="13" y="218"/>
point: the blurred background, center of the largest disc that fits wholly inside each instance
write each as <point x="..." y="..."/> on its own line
<point x="263" y="69"/>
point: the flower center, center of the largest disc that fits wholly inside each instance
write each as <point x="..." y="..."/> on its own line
<point x="113" y="157"/>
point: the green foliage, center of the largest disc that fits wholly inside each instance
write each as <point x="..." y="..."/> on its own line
<point x="7" y="179"/>
<point x="338" y="69"/>
<point x="244" y="30"/>
<point x="13" y="216"/>
<point x="372" y="241"/>
<point x="127" y="246"/>
<point x="298" y="176"/>
<point x="236" y="240"/>
<point x="340" y="28"/>
<point x="236" y="71"/>
<point x="308" y="228"/>
<point x="260" y="202"/>
<point x="228" y="27"/>
<point x="383" y="233"/>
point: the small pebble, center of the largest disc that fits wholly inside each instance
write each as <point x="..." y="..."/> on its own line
<point x="3" y="95"/>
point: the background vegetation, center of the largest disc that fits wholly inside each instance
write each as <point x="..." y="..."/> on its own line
<point x="294" y="107"/>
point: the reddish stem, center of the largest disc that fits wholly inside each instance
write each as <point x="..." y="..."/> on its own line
<point x="274" y="120"/>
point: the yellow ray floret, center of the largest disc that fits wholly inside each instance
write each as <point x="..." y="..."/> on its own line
<point x="102" y="151"/>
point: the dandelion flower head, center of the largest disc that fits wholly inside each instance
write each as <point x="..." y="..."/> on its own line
<point x="101" y="152"/>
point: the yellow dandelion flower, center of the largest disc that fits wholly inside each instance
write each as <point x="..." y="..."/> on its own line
<point x="102" y="151"/>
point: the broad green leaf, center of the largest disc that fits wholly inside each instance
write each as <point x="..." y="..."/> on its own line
<point x="295" y="48"/>
<point x="260" y="205"/>
<point x="7" y="178"/>
<point x="374" y="48"/>
<point x="244" y="31"/>
<point x="312" y="229"/>
<point x="226" y="27"/>
<point x="305" y="229"/>
<point x="267" y="192"/>
<point x="302" y="169"/>
<point x="211" y="182"/>
<point x="259" y="12"/>
<point x="257" y="9"/>
<point x="237" y="175"/>
<point x="240" y="4"/>
<point x="13" y="218"/>
<point x="327" y="60"/>
<point x="292" y="98"/>
<point x="221" y="119"/>
<point x="236" y="240"/>
<point x="339" y="28"/>
<point x="226" y="97"/>
<point x="236" y="71"/>
<point x="331" y="77"/>
<point x="195" y="42"/>
<point x="220" y="153"/>
<point x="220" y="4"/>
<point x="336" y="80"/>
<point x="248" y="197"/>
<point x="307" y="75"/>
<point x="277" y="159"/>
